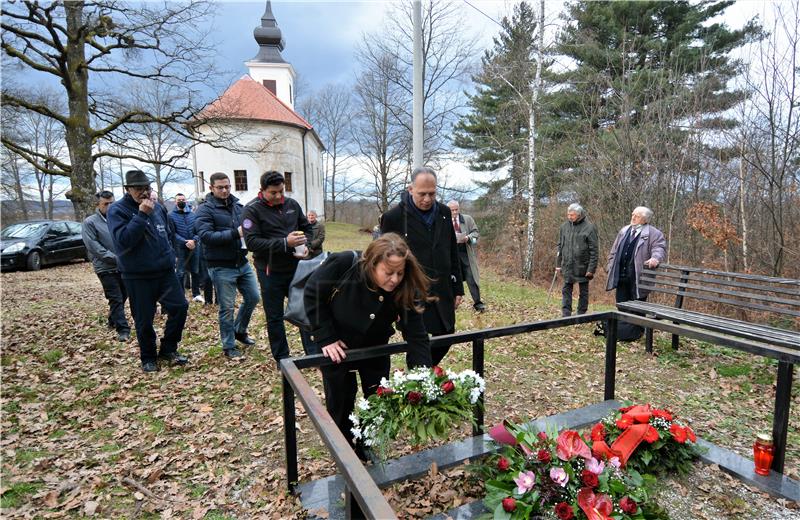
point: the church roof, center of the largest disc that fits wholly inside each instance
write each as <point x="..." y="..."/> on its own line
<point x="269" y="38"/>
<point x="248" y="99"/>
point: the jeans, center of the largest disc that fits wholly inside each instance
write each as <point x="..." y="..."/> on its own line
<point x="227" y="280"/>
<point x="188" y="261"/>
<point x="115" y="293"/>
<point x="566" y="298"/>
<point x="144" y="294"/>
<point x="274" y="292"/>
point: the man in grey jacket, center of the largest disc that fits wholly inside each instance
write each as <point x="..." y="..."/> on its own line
<point x="576" y="258"/>
<point x="636" y="246"/>
<point x="100" y="248"/>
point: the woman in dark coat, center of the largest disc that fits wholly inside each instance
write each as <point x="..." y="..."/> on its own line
<point x="352" y="302"/>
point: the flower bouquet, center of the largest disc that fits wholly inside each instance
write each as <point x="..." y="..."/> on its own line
<point x="425" y="402"/>
<point x="646" y="439"/>
<point x="563" y="475"/>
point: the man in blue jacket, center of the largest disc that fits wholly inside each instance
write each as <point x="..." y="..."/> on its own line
<point x="143" y="237"/>
<point x="187" y="245"/>
<point x="218" y="224"/>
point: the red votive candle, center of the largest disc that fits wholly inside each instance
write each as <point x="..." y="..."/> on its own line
<point x="763" y="453"/>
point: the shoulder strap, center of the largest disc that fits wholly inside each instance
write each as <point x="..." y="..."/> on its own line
<point x="341" y="281"/>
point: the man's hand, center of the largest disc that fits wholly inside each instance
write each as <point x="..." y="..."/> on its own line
<point x="295" y="238"/>
<point x="652" y="263"/>
<point x="459" y="299"/>
<point x="190" y="244"/>
<point x="147" y="206"/>
<point x="335" y="351"/>
<point x="589" y="275"/>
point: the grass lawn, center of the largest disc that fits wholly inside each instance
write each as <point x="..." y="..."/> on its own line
<point x="85" y="432"/>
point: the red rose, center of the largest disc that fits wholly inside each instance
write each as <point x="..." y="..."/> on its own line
<point x="598" y="432"/>
<point x="628" y="505"/>
<point x="437" y="370"/>
<point x="625" y="409"/>
<point x="652" y="435"/>
<point x="624" y="421"/>
<point x="414" y="397"/>
<point x="503" y="464"/>
<point x="589" y="478"/>
<point x="448" y="387"/>
<point x="382" y="390"/>
<point x="690" y="434"/>
<point x="664" y="414"/>
<point x="509" y="504"/>
<point x="678" y="433"/>
<point x="542" y="436"/>
<point x="544" y="456"/>
<point x="564" y="511"/>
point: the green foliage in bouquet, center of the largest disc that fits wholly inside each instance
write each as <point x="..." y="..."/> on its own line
<point x="424" y="402"/>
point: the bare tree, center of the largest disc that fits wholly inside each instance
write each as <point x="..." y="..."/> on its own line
<point x="447" y="54"/>
<point x="110" y="42"/>
<point x="774" y="129"/>
<point x="382" y="142"/>
<point x="159" y="146"/>
<point x="12" y="180"/>
<point x="331" y="113"/>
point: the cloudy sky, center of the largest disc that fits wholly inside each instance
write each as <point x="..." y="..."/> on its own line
<point x="321" y="36"/>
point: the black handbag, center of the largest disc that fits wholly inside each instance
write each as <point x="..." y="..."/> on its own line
<point x="295" y="312"/>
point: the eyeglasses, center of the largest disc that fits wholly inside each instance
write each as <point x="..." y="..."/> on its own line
<point x="221" y="187"/>
<point x="140" y="189"/>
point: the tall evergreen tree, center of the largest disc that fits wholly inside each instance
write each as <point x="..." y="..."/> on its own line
<point x="649" y="82"/>
<point x="496" y="129"/>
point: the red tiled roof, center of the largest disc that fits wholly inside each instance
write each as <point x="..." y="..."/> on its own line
<point x="248" y="99"/>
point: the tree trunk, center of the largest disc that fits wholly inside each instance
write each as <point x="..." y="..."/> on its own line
<point x="527" y="271"/>
<point x="18" y="186"/>
<point x="742" y="212"/>
<point x="77" y="131"/>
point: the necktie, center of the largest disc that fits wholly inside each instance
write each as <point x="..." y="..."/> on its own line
<point x="456" y="225"/>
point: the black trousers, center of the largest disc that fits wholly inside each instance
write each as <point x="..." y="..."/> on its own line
<point x="466" y="275"/>
<point x="566" y="298"/>
<point x="626" y="290"/>
<point x="341" y="387"/>
<point x="145" y="294"/>
<point x="115" y="293"/>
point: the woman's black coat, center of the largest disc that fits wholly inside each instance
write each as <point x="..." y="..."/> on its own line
<point x="341" y="306"/>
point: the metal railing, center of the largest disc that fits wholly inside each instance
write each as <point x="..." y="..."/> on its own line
<point x="363" y="496"/>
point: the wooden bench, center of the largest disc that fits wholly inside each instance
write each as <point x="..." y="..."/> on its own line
<point x="766" y="309"/>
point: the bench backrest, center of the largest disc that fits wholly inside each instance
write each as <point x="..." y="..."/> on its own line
<point x="743" y="291"/>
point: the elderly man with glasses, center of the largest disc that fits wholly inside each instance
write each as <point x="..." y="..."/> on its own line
<point x="143" y="238"/>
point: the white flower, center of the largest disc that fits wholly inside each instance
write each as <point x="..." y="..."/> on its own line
<point x="384" y="382"/>
<point x="354" y="419"/>
<point x="363" y="404"/>
<point x="474" y="395"/>
<point x="356" y="433"/>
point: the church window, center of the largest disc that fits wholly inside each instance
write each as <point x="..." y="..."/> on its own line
<point x="240" y="178"/>
<point x="271" y="85"/>
<point x="287" y="176"/>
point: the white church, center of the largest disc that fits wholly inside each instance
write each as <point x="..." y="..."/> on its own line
<point x="255" y="117"/>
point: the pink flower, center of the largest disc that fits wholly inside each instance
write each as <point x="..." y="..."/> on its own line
<point x="559" y="476"/>
<point x="615" y="462"/>
<point x="569" y="445"/>
<point x="437" y="370"/>
<point x="595" y="466"/>
<point x="525" y="481"/>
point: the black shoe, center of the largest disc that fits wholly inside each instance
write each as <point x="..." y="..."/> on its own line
<point x="124" y="336"/>
<point x="149" y="366"/>
<point x="233" y="353"/>
<point x="479" y="307"/>
<point x="242" y="337"/>
<point x="174" y="358"/>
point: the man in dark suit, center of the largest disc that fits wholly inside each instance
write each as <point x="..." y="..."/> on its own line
<point x="427" y="226"/>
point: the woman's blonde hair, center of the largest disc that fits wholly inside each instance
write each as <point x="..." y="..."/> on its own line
<point x="412" y="291"/>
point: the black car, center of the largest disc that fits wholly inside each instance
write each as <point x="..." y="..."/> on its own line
<point x="30" y="245"/>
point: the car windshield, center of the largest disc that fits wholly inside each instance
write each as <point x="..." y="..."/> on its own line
<point x="23" y="230"/>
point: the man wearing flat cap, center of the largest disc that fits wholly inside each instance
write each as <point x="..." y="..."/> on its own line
<point x="276" y="231"/>
<point x="143" y="238"/>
